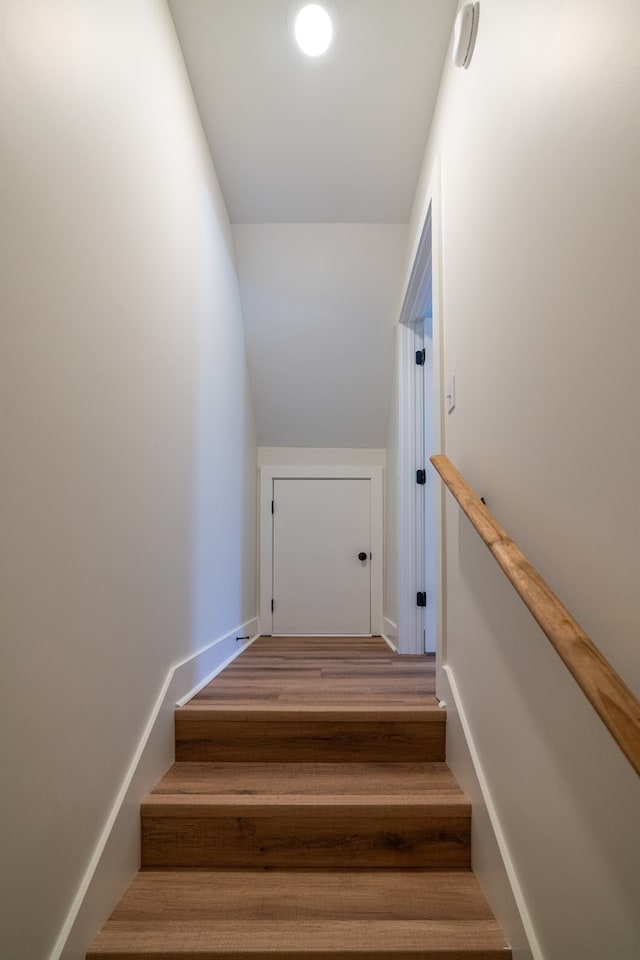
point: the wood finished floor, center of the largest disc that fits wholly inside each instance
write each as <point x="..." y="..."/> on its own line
<point x="308" y="672"/>
<point x="315" y="699"/>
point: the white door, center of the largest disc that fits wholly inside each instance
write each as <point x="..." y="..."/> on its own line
<point x="321" y="556"/>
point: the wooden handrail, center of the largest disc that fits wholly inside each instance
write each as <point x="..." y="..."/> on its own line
<point x="612" y="700"/>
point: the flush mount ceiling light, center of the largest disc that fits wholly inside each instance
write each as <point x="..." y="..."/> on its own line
<point x="464" y="36"/>
<point x="313" y="29"/>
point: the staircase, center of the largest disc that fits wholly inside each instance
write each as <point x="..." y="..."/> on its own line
<point x="309" y="811"/>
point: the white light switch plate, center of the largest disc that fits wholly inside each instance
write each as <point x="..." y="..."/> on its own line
<point x="450" y="395"/>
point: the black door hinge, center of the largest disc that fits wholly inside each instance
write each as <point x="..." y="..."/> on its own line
<point x="273" y="508"/>
<point x="421" y="598"/>
<point x="272" y="606"/>
<point x="421" y="357"/>
<point x="421" y="476"/>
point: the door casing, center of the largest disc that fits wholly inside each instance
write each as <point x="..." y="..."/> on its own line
<point x="265" y="547"/>
<point x="421" y="554"/>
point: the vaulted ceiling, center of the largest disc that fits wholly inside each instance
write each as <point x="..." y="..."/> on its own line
<point x="334" y="140"/>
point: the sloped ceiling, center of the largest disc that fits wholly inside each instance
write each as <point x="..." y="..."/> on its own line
<point x="318" y="161"/>
<point x="334" y="139"/>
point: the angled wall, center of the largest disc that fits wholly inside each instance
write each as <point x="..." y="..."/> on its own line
<point x="128" y="451"/>
<point x="539" y="153"/>
<point x="318" y="301"/>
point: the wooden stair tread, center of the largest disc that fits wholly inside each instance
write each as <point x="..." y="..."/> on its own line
<point x="311" y="894"/>
<point x="245" y="707"/>
<point x="332" y="686"/>
<point x="308" y="784"/>
<point x="206" y="940"/>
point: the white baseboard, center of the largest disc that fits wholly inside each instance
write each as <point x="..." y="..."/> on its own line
<point x="241" y="644"/>
<point x="115" y="858"/>
<point x="518" y="928"/>
<point x="390" y="633"/>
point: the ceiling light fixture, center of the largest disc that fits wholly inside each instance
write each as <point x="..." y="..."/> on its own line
<point x="313" y="29"/>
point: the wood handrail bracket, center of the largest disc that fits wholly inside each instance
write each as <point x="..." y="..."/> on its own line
<point x="612" y="700"/>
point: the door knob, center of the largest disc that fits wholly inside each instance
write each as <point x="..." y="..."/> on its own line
<point x="362" y="556"/>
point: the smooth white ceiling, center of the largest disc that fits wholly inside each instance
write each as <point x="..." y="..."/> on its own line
<point x="334" y="139"/>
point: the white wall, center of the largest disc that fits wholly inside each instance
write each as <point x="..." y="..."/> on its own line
<point x="128" y="450"/>
<point x="539" y="153"/>
<point x="318" y="302"/>
<point x="327" y="456"/>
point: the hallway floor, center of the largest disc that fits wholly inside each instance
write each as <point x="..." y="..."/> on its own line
<point x="308" y="672"/>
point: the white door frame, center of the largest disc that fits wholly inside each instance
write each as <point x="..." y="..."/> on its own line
<point x="425" y="263"/>
<point x="410" y="570"/>
<point x="265" y="547"/>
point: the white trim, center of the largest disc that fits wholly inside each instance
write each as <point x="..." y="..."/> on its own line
<point x="494" y="819"/>
<point x="390" y="629"/>
<point x="390" y="634"/>
<point x="434" y="199"/>
<point x="269" y="473"/>
<point x="179" y="675"/>
<point x="225" y="663"/>
<point x="109" y="825"/>
<point x="424" y="256"/>
<point x="410" y="620"/>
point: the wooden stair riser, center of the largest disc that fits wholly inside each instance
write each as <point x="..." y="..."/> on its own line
<point x="207" y="738"/>
<point x="295" y="838"/>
